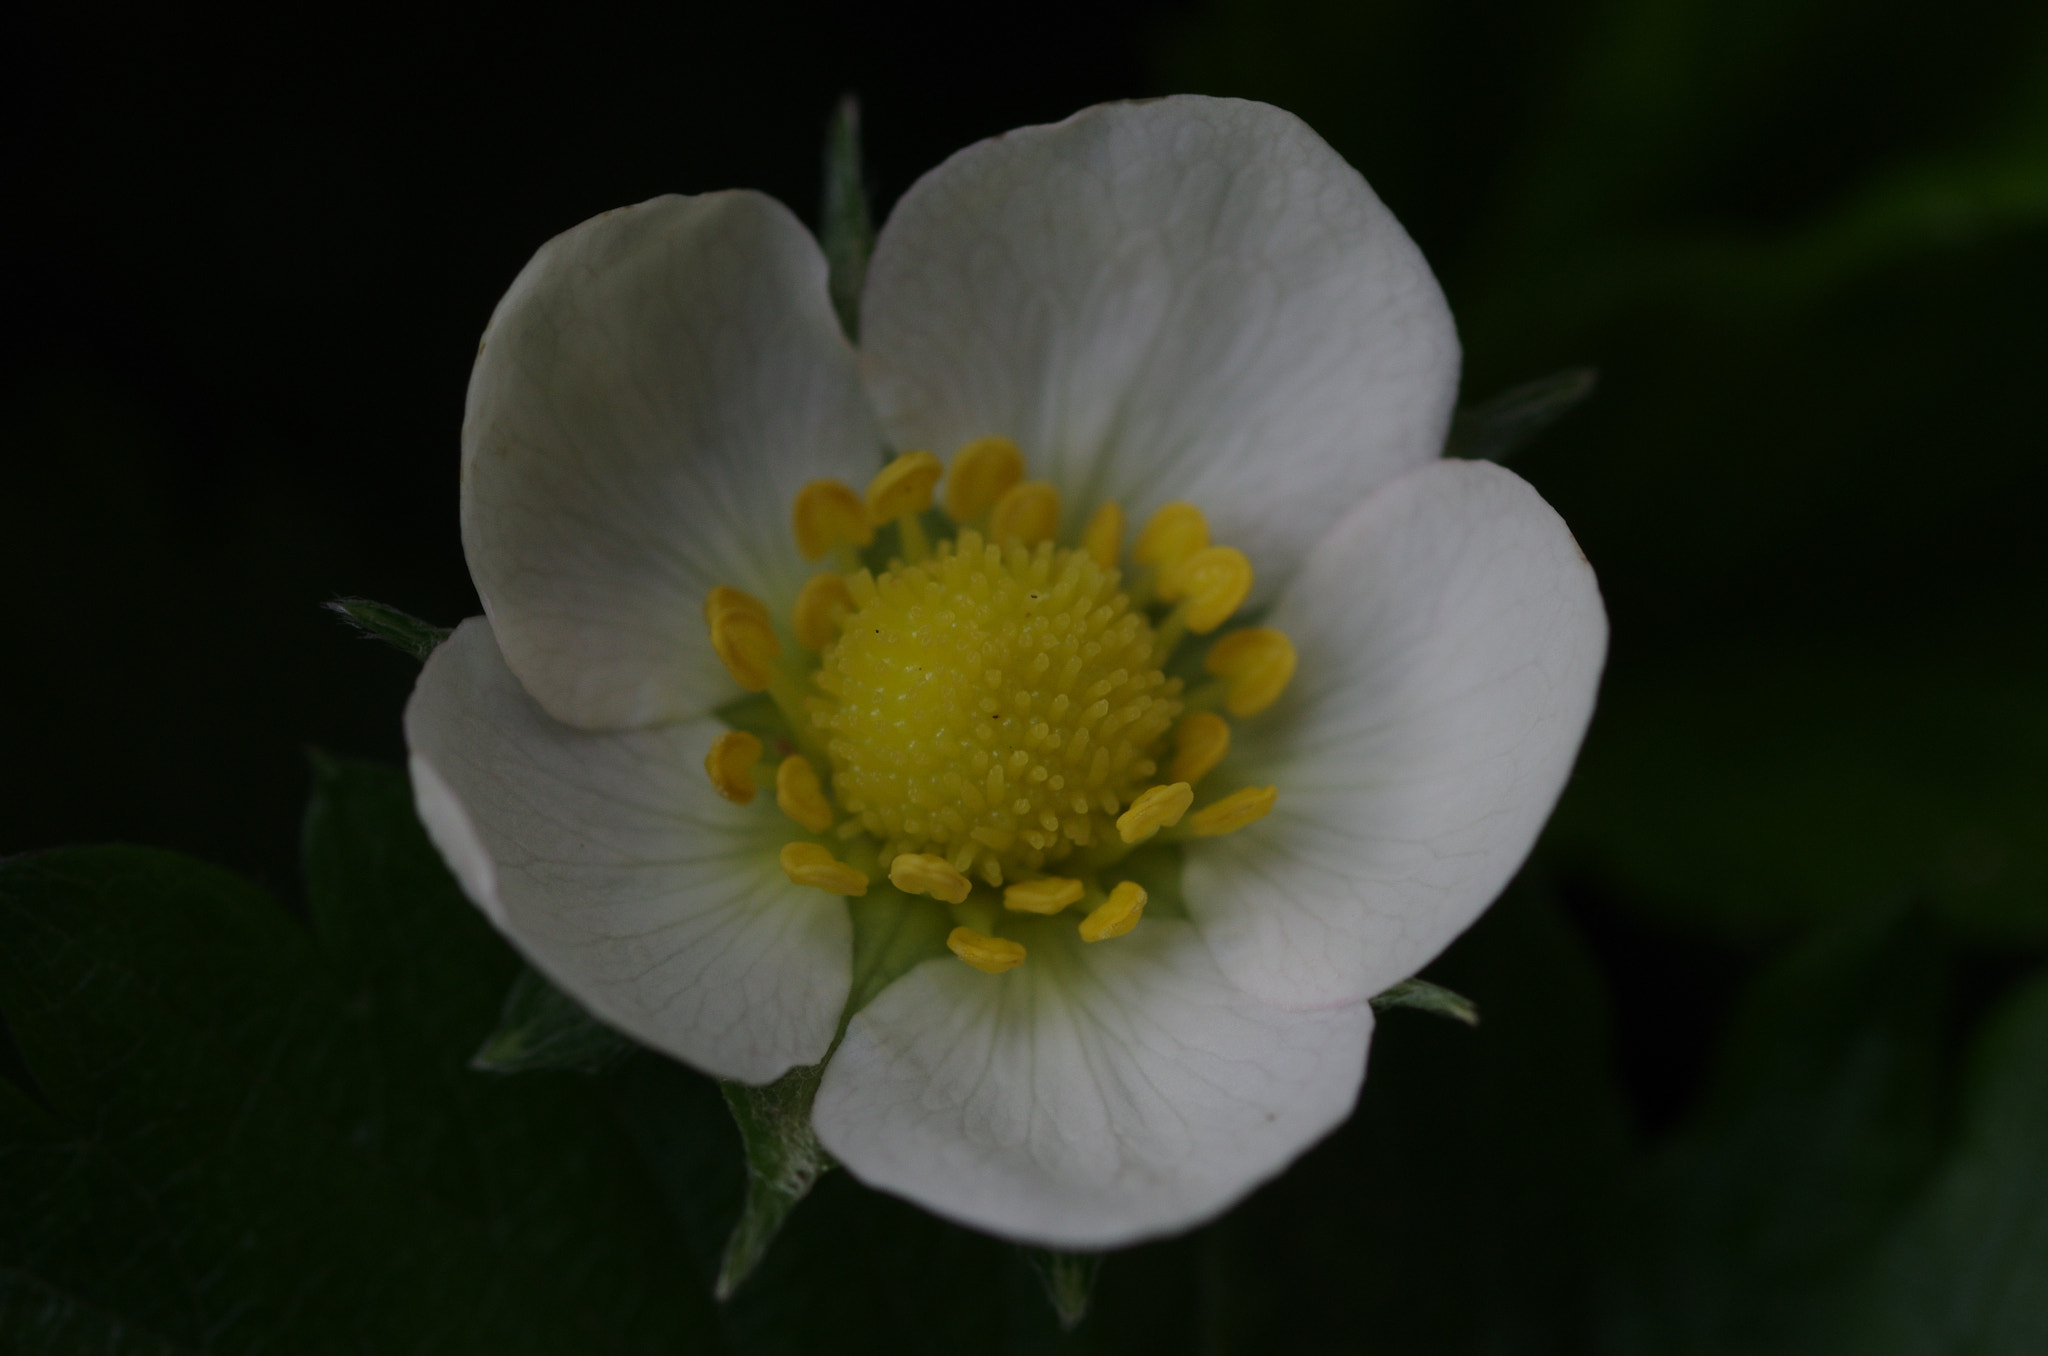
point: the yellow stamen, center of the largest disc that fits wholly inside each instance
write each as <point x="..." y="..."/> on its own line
<point x="1116" y="915"/>
<point x="1199" y="745"/>
<point x="730" y="765"/>
<point x="1049" y="894"/>
<point x="829" y="514"/>
<point x="799" y="795"/>
<point x="1172" y="534"/>
<point x="982" y="472"/>
<point x="903" y="486"/>
<point x="1027" y="513"/>
<point x="724" y="598"/>
<point x="1157" y="808"/>
<point x="990" y="955"/>
<point x="825" y="602"/>
<point x="1104" y="535"/>
<point x="1214" y="580"/>
<point x="1255" y="664"/>
<point x="1233" y="812"/>
<point x="809" y="864"/>
<point x="920" y="873"/>
<point x="747" y="646"/>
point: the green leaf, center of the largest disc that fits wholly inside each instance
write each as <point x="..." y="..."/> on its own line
<point x="1426" y="997"/>
<point x="543" y="1028"/>
<point x="381" y="621"/>
<point x="1495" y="429"/>
<point x="1745" y="793"/>
<point x="1842" y="1189"/>
<point x="846" y="231"/>
<point x="255" y="1140"/>
<point x="784" y="1160"/>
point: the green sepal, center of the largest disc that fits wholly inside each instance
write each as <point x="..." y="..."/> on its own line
<point x="1427" y="997"/>
<point x="381" y="621"/>
<point x="845" y="228"/>
<point x="543" y="1028"/>
<point x="758" y="715"/>
<point x="1495" y="429"/>
<point x="784" y="1160"/>
<point x="1069" y="1281"/>
<point x="892" y="933"/>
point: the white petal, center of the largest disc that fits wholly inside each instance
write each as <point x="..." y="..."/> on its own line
<point x="651" y="393"/>
<point x="610" y="862"/>
<point x="1190" y="298"/>
<point x="1084" y="1100"/>
<point x="1451" y="637"/>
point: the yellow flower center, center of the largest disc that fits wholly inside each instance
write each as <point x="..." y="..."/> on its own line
<point x="993" y="706"/>
<point x="968" y="716"/>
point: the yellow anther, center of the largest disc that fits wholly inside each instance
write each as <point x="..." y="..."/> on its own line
<point x="828" y="514"/>
<point x="1255" y="664"/>
<point x="1028" y="513"/>
<point x="1173" y="534"/>
<point x="799" y="795"/>
<point x="1233" y="812"/>
<point x="1049" y="894"/>
<point x="730" y="765"/>
<point x="747" y="646"/>
<point x="724" y="598"/>
<point x="1116" y="915"/>
<point x="825" y="602"/>
<point x="809" y="864"/>
<point x="990" y="955"/>
<point x="920" y="873"/>
<point x="903" y="486"/>
<point x="1156" y="808"/>
<point x="1199" y="745"/>
<point x="1104" y="535"/>
<point x="1214" y="580"/>
<point x="982" y="472"/>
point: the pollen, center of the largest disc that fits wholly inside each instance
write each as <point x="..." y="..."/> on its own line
<point x="798" y="794"/>
<point x="1233" y="812"/>
<point x="1214" y="580"/>
<point x="828" y="514"/>
<point x="992" y="707"/>
<point x="745" y="644"/>
<point x="1255" y="664"/>
<point x="921" y="873"/>
<point x="1116" y="915"/>
<point x="1158" y="808"/>
<point x="1048" y="894"/>
<point x="1103" y="538"/>
<point x="982" y="472"/>
<point x="1199" y="745"/>
<point x="820" y="608"/>
<point x="1027" y="513"/>
<point x="812" y="865"/>
<point x="1171" y="535"/>
<point x="990" y="955"/>
<point x="730" y="765"/>
<point x="903" y="486"/>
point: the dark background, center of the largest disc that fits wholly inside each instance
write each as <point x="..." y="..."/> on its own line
<point x="1805" y="244"/>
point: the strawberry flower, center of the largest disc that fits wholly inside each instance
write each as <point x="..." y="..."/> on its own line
<point x="1064" y="712"/>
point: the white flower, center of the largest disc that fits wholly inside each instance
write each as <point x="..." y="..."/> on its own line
<point x="1184" y="302"/>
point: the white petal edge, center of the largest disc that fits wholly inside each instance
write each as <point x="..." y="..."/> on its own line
<point x="1190" y="298"/>
<point x="650" y="394"/>
<point x="1085" y="1100"/>
<point x="1451" y="638"/>
<point x="611" y="864"/>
